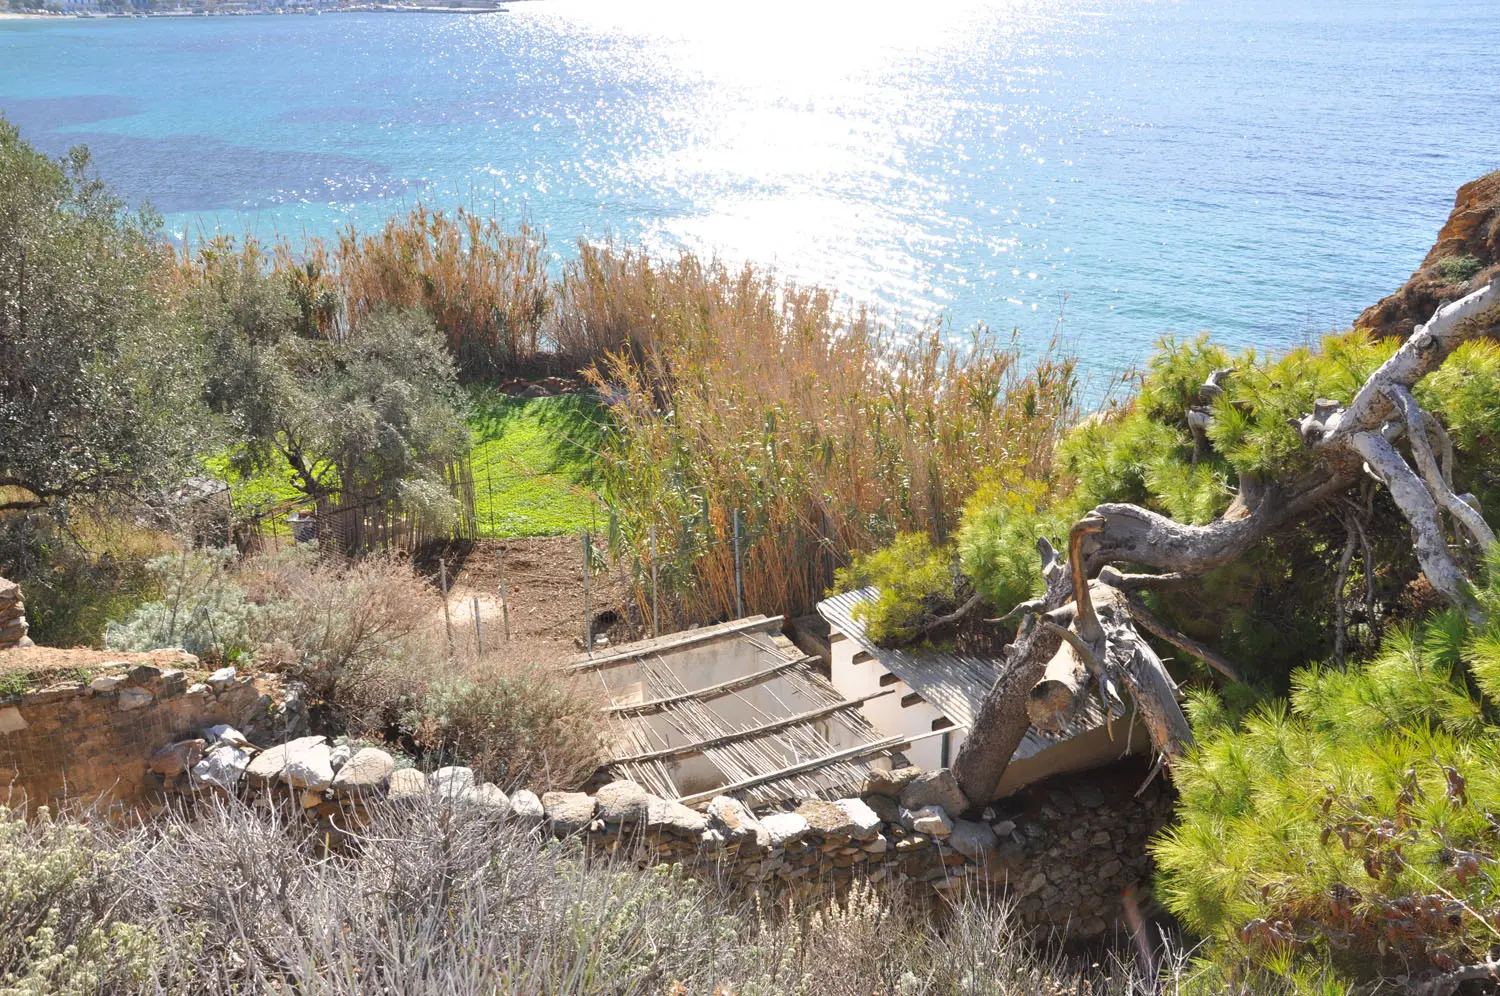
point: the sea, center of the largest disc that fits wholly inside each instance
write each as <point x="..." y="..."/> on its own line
<point x="1106" y="171"/>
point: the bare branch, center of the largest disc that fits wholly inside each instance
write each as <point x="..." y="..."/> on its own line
<point x="1416" y="438"/>
<point x="1153" y="623"/>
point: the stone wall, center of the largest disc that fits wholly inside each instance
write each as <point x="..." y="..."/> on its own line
<point x="13" y="626"/>
<point x="1065" y="850"/>
<point x="88" y="740"/>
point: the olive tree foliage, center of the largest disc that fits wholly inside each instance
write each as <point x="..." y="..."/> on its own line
<point x="99" y="385"/>
<point x="371" y="413"/>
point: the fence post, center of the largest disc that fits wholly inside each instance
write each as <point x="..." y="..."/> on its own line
<point x="447" y="621"/>
<point x="504" y="596"/>
<point x="655" y="611"/>
<point x="739" y="577"/>
<point x="478" y="629"/>
<point x="588" y="610"/>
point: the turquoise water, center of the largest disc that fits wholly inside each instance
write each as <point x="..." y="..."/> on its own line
<point x="1260" y="169"/>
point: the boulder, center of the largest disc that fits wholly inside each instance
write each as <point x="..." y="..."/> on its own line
<point x="221" y="679"/>
<point x="568" y="812"/>
<point x="735" y="821"/>
<point x="222" y="767"/>
<point x="527" y="808"/>
<point x="339" y="755"/>
<point x="931" y="820"/>
<point x="452" y="782"/>
<point x="972" y="840"/>
<point x="784" y="828"/>
<point x="883" y="806"/>
<point x="863" y="819"/>
<point x="310" y="769"/>
<point x="106" y="684"/>
<point x="173" y="759"/>
<point x="623" y="803"/>
<point x="134" y="698"/>
<point x="826" y="818"/>
<point x="407" y="785"/>
<point x="489" y="798"/>
<point x="270" y="764"/>
<point x="143" y="673"/>
<point x="664" y="814"/>
<point x="892" y="783"/>
<point x="364" y="774"/>
<point x="935" y="788"/>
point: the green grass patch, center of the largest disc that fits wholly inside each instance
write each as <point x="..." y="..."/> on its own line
<point x="536" y="463"/>
<point x="534" y="460"/>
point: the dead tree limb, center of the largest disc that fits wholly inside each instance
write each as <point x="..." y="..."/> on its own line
<point x="1347" y="443"/>
<point x="1152" y="623"/>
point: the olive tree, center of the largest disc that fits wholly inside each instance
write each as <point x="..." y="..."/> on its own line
<point x="99" y="388"/>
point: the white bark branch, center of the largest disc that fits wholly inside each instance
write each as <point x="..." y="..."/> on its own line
<point x="1421" y="451"/>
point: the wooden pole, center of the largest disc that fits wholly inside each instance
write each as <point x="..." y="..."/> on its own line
<point x="655" y="595"/>
<point x="478" y="629"/>
<point x="848" y="754"/>
<point x="504" y="596"/>
<point x="588" y="610"/>
<point x="653" y="706"/>
<point x="739" y="576"/>
<point x="447" y="620"/>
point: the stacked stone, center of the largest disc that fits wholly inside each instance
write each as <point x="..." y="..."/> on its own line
<point x="1066" y="863"/>
<point x="13" y="626"/>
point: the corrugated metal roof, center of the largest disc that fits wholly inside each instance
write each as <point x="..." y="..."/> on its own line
<point x="955" y="684"/>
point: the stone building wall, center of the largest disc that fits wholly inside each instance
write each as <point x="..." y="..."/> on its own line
<point x="89" y="739"/>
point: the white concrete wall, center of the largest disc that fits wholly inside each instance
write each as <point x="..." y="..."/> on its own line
<point x="854" y="678"/>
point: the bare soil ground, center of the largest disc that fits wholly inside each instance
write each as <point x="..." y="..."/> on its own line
<point x="38" y="661"/>
<point x="542" y="579"/>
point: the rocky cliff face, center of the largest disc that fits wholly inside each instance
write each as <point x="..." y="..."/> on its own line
<point x="1466" y="256"/>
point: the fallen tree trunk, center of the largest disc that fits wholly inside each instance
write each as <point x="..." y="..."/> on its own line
<point x="1040" y="681"/>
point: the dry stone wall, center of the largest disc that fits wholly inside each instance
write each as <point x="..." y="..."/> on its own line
<point x="1066" y="851"/>
<point x="13" y="627"/>
<point x="89" y="739"/>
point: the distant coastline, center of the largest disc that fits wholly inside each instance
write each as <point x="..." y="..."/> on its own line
<point x="252" y="10"/>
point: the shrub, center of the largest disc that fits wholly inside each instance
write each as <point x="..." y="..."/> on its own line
<point x="202" y="609"/>
<point x="1350" y="830"/>
<point x="518" y="724"/>
<point x="913" y="577"/>
<point x="1457" y="269"/>
<point x="439" y="899"/>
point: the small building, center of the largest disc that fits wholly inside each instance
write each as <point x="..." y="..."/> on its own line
<point x="733" y="709"/>
<point x="936" y="695"/>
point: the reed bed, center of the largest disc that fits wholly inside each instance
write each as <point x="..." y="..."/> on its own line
<point x="827" y="431"/>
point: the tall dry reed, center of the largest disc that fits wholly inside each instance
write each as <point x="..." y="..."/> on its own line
<point x="827" y="431"/>
<point x="486" y="288"/>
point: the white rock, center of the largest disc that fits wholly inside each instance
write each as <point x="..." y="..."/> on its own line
<point x="1004" y="828"/>
<point x="106" y="683"/>
<point x="222" y="767"/>
<point x="309" y="769"/>
<point x="784" y="828"/>
<point x="134" y="698"/>
<point x="488" y="797"/>
<point x="339" y="756"/>
<point x="866" y="823"/>
<point x="452" y="782"/>
<point x="931" y="820"/>
<point x="225" y="734"/>
<point x="527" y="808"/>
<point x="221" y="679"/>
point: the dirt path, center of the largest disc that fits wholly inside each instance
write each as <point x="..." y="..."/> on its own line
<point x="543" y="585"/>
